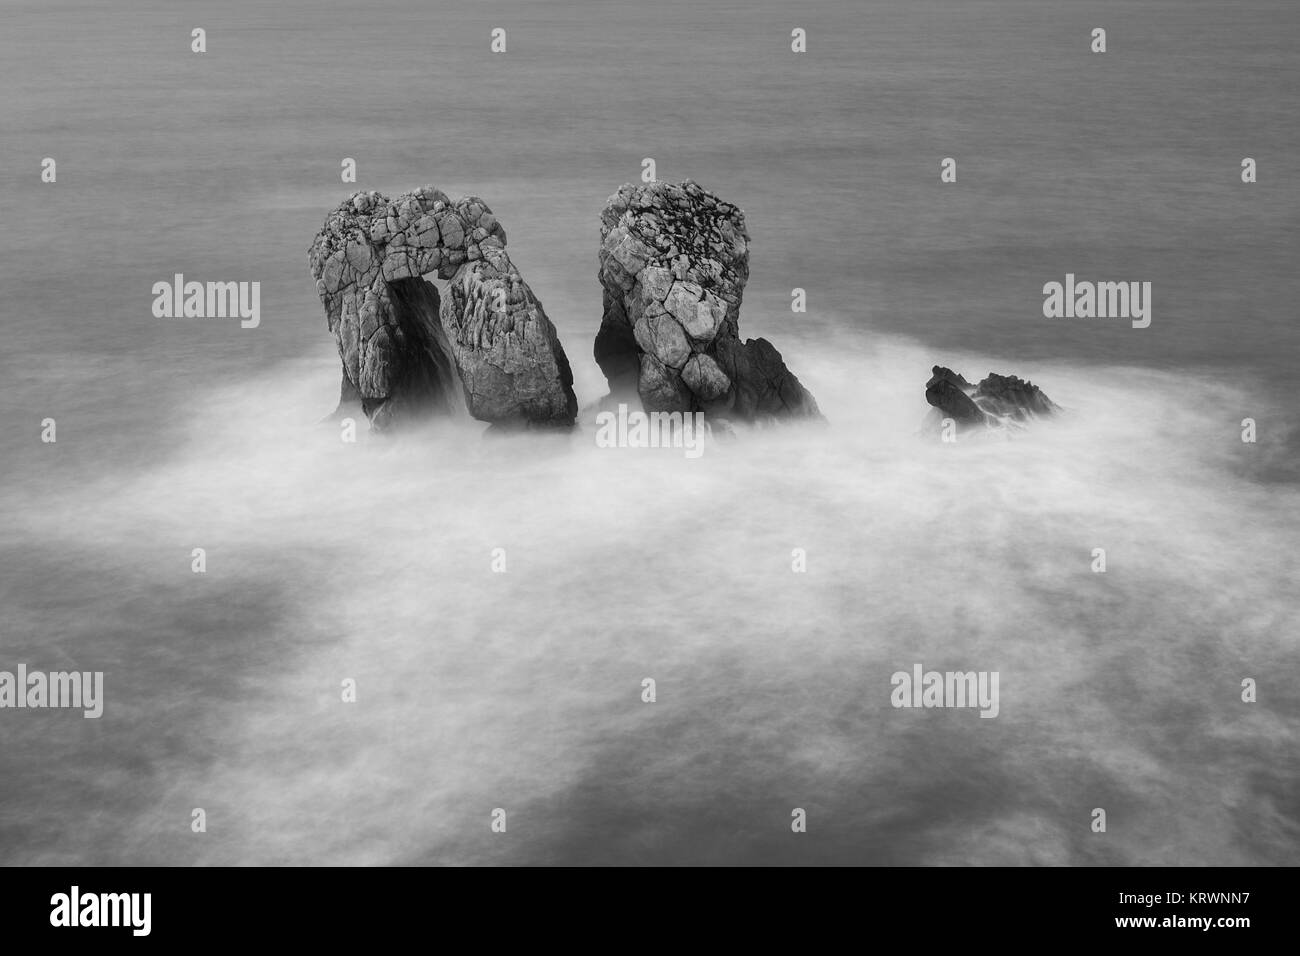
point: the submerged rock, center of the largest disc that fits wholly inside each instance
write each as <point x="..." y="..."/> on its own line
<point x="406" y="351"/>
<point x="998" y="402"/>
<point x="674" y="260"/>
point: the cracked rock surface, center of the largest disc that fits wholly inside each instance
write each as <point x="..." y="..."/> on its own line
<point x="674" y="260"/>
<point x="406" y="351"/>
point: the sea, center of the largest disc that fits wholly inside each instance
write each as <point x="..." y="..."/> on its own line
<point x="494" y="605"/>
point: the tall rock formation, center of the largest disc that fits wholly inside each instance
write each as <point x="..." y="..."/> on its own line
<point x="407" y="351"/>
<point x="674" y="260"/>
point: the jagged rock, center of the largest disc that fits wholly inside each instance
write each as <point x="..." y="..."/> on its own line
<point x="405" y="350"/>
<point x="761" y="385"/>
<point x="506" y="349"/>
<point x="674" y="260"/>
<point x="949" y="392"/>
<point x="999" y="401"/>
<point x="1005" y="396"/>
<point x="947" y="374"/>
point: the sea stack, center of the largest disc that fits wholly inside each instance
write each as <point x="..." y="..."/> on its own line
<point x="674" y="259"/>
<point x="409" y="352"/>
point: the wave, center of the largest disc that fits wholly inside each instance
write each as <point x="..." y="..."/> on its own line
<point x="521" y="690"/>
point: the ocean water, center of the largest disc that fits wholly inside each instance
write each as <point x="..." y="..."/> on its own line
<point x="523" y="690"/>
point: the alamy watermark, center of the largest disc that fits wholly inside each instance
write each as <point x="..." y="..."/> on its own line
<point x="636" y="429"/>
<point x="1098" y="300"/>
<point x="74" y="908"/>
<point x="211" y="300"/>
<point x="922" y="688"/>
<point x="37" y="689"/>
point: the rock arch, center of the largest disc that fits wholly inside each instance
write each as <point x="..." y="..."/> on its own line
<point x="407" y="351"/>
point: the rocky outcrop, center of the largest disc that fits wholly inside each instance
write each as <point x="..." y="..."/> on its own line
<point x="406" y="351"/>
<point x="999" y="401"/>
<point x="674" y="260"/>
<point x="510" y="360"/>
<point x="950" y="393"/>
<point x="1005" y="396"/>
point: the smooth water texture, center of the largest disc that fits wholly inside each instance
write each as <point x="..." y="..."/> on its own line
<point x="522" y="690"/>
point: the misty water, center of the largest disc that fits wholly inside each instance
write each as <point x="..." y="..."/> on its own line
<point x="522" y="690"/>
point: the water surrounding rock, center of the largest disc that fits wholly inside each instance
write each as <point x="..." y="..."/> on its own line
<point x="997" y="402"/>
<point x="674" y="260"/>
<point x="406" y="351"/>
